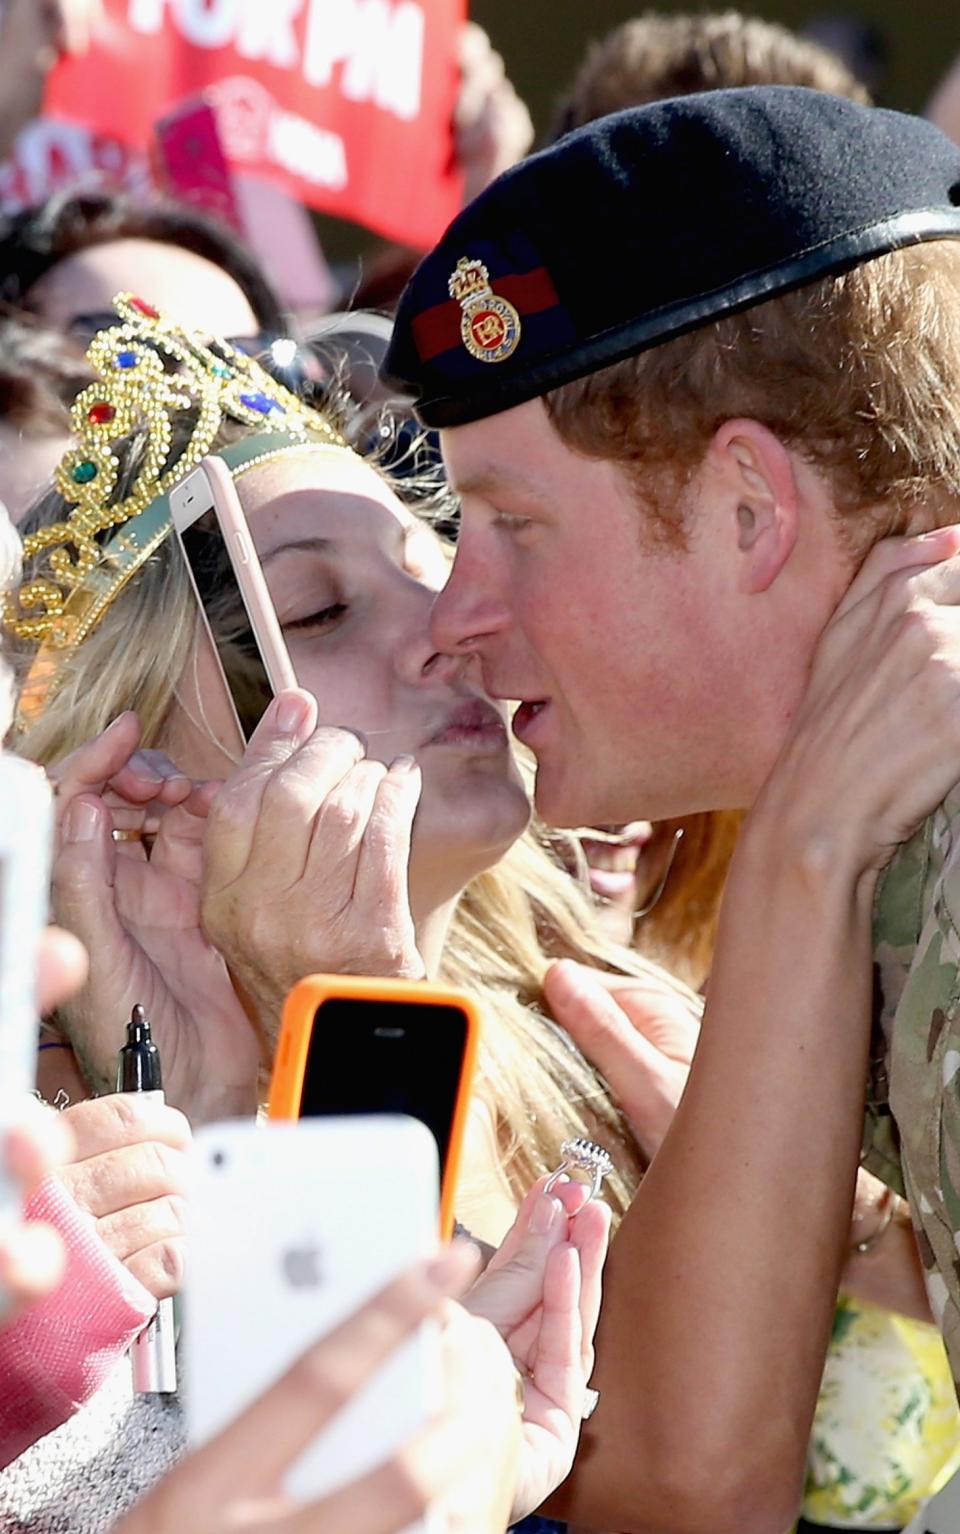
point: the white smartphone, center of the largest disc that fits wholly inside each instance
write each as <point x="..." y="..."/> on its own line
<point x="292" y="1227"/>
<point x="26" y="840"/>
<point x="231" y="591"/>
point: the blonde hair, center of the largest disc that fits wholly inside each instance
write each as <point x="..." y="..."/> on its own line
<point x="680" y="929"/>
<point x="508" y="925"/>
<point x="858" y="373"/>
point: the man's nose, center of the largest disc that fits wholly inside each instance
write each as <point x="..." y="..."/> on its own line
<point x="466" y="613"/>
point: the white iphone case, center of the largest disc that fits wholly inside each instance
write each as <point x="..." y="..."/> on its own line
<point x="293" y="1225"/>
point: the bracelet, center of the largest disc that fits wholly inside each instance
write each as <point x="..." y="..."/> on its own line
<point x="888" y="1204"/>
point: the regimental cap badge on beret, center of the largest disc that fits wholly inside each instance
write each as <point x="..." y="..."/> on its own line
<point x="490" y="325"/>
<point x="653" y="222"/>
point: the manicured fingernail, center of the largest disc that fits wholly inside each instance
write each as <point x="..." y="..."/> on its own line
<point x="289" y="714"/>
<point x="546" y="1212"/>
<point x="82" y="821"/>
<point x="403" y="764"/>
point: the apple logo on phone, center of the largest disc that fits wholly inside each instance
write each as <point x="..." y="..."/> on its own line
<point x="302" y="1267"/>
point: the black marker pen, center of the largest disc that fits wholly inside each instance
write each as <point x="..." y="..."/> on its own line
<point x="153" y="1354"/>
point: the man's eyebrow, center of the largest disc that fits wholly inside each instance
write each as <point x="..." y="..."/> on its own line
<point x="487" y="479"/>
<point x="311" y="545"/>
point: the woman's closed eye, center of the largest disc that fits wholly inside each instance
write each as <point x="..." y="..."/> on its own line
<point x="323" y="619"/>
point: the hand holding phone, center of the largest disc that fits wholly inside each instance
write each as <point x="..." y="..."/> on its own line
<point x="231" y="590"/>
<point x="356" y="1046"/>
<point x="465" y="1460"/>
<point x="286" y="890"/>
<point x="293" y="1226"/>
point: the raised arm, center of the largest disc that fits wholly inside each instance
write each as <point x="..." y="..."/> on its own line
<point x="722" y="1279"/>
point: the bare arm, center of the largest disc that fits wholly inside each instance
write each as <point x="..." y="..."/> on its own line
<point x="722" y="1280"/>
<point x="691" y="1420"/>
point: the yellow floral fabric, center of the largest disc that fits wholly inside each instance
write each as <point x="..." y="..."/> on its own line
<point x="886" y="1433"/>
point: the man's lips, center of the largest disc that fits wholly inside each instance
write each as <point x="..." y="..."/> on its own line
<point x="526" y="722"/>
<point x="474" y="724"/>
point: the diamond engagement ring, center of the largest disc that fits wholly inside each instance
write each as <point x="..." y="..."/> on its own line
<point x="580" y="1155"/>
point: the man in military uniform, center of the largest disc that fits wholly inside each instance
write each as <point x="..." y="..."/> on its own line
<point x="689" y="365"/>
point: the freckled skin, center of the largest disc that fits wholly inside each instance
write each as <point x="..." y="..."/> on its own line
<point x="669" y="681"/>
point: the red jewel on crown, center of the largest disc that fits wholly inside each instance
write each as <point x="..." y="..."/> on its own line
<point x="102" y="414"/>
<point x="147" y="310"/>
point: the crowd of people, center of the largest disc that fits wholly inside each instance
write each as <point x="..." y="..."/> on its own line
<point x="658" y="508"/>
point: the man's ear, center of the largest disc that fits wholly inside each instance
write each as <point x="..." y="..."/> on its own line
<point x="761" y="489"/>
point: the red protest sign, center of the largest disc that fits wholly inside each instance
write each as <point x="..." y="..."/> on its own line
<point x="347" y="104"/>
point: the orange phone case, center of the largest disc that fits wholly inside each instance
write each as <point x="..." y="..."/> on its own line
<point x="293" y="1047"/>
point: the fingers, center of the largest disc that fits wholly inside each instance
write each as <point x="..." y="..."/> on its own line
<point x="122" y="1120"/>
<point x="291" y="717"/>
<point x="583" y="1007"/>
<point x="276" y="1428"/>
<point x="151" y="776"/>
<point x="118" y="1179"/>
<point x="339" y="827"/>
<point x="646" y="1083"/>
<point x="62" y="968"/>
<point x="650" y="981"/>
<point x="135" y="1230"/>
<point x="308" y="787"/>
<point x="32" y="1264"/>
<point x="559" y="1369"/>
<point x="93" y="764"/>
<point x="84" y="872"/>
<point x="178" y="844"/>
<point x="159" y="1268"/>
<point x="382" y="867"/>
<point x="895" y="571"/>
<point x="507" y="1293"/>
<point x="590" y="1236"/>
<point x="133" y="782"/>
<point x="39" y="1141"/>
<point x="398" y="1493"/>
<point x="263" y="816"/>
<point x="891" y="555"/>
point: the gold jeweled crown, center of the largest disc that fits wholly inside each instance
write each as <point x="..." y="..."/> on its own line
<point x="146" y="370"/>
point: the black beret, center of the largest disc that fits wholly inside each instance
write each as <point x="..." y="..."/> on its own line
<point x="646" y="224"/>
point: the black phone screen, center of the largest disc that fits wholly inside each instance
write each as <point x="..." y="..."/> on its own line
<point x="386" y="1057"/>
<point x="221" y="599"/>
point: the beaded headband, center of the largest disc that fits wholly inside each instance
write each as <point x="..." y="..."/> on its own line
<point x="147" y="370"/>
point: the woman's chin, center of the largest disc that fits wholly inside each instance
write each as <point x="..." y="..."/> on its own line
<point x="465" y="833"/>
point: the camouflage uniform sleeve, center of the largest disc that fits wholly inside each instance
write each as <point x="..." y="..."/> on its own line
<point x="924" y="1061"/>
